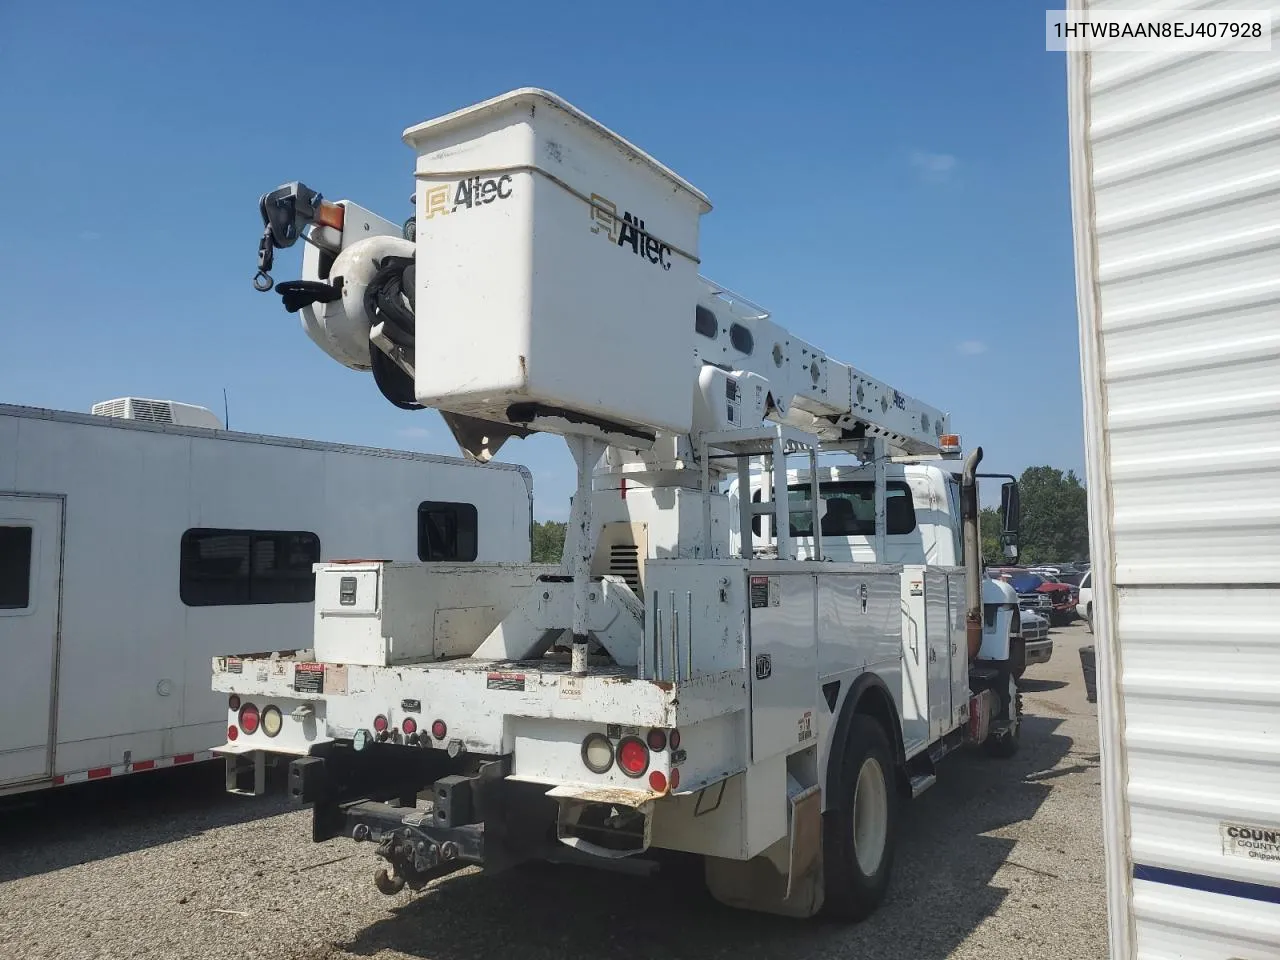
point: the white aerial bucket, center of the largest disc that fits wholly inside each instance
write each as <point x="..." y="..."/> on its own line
<point x="556" y="269"/>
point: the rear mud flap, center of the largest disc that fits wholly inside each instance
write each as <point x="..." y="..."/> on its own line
<point x="787" y="878"/>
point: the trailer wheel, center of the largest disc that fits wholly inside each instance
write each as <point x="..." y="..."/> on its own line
<point x="860" y="830"/>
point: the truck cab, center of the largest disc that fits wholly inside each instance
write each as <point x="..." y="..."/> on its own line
<point x="922" y="528"/>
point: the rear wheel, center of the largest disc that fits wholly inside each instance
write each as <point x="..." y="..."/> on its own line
<point x="860" y="830"/>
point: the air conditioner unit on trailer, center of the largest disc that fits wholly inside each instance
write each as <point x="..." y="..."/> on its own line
<point x="158" y="411"/>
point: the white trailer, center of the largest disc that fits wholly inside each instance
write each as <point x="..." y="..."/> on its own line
<point x="133" y="550"/>
<point x="758" y="682"/>
<point x="1175" y="170"/>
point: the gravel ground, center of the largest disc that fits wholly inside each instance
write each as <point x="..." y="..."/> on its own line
<point x="1001" y="859"/>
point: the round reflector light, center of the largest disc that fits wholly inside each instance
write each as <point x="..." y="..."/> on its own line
<point x="657" y="740"/>
<point x="675" y="778"/>
<point x="272" y="720"/>
<point x="439" y="730"/>
<point x="249" y="718"/>
<point x="409" y="725"/>
<point x="673" y="738"/>
<point x="233" y="702"/>
<point x="633" y="756"/>
<point x="597" y="753"/>
<point x="658" y="782"/>
<point x="380" y="724"/>
<point x="232" y="732"/>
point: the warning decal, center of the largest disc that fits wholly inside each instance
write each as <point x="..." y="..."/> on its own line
<point x="570" y="688"/>
<point x="1252" y="841"/>
<point x="505" y="681"/>
<point x="759" y="591"/>
<point x="308" y="677"/>
<point x="235" y="665"/>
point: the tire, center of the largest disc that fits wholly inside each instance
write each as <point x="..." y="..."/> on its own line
<point x="1088" y="617"/>
<point x="1006" y="745"/>
<point x="860" y="831"/>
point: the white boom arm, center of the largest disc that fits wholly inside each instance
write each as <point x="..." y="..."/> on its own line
<point x="342" y="300"/>
<point x="807" y="388"/>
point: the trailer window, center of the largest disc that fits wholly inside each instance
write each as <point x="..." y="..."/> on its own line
<point x="15" y="568"/>
<point x="237" y="567"/>
<point x="447" y="531"/>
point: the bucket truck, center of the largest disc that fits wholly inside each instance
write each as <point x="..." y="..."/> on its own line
<point x="771" y="621"/>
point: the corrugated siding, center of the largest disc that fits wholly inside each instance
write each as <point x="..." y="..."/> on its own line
<point x="1185" y="235"/>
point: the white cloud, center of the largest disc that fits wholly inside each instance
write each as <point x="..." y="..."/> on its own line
<point x="932" y="167"/>
<point x="971" y="348"/>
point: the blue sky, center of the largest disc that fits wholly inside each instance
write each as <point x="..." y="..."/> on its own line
<point x="890" y="179"/>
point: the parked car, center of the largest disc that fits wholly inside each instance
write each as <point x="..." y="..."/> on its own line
<point x="1036" y="642"/>
<point x="1040" y="593"/>
<point x="1068" y="573"/>
<point x="1084" y="603"/>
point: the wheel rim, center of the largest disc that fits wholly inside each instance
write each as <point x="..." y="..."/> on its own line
<point x="870" y="816"/>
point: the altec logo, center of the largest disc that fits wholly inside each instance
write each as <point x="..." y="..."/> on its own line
<point x="466" y="194"/>
<point x="627" y="231"/>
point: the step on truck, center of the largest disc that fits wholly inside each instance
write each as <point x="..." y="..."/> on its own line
<point x="759" y="679"/>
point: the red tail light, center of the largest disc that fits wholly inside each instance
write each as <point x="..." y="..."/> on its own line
<point x="249" y="718"/>
<point x="232" y="732"/>
<point x="675" y="778"/>
<point x="233" y="702"/>
<point x="658" y="782"/>
<point x="657" y="740"/>
<point x="633" y="756"/>
<point x="409" y="725"/>
<point x="439" y="730"/>
<point x="674" y="739"/>
<point x="380" y="724"/>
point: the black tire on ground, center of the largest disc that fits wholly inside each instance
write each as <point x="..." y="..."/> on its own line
<point x="853" y="887"/>
<point x="1006" y="745"/>
<point x="1089" y="667"/>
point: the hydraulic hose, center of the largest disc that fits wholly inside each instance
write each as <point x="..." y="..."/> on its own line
<point x="385" y="299"/>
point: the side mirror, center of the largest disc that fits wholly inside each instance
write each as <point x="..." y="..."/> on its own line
<point x="1010" y="508"/>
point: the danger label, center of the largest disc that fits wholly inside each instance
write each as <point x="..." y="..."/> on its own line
<point x="765" y="592"/>
<point x="308" y="678"/>
<point x="505" y="681"/>
<point x="1252" y="841"/>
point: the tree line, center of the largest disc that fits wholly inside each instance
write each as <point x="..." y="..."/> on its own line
<point x="1054" y="525"/>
